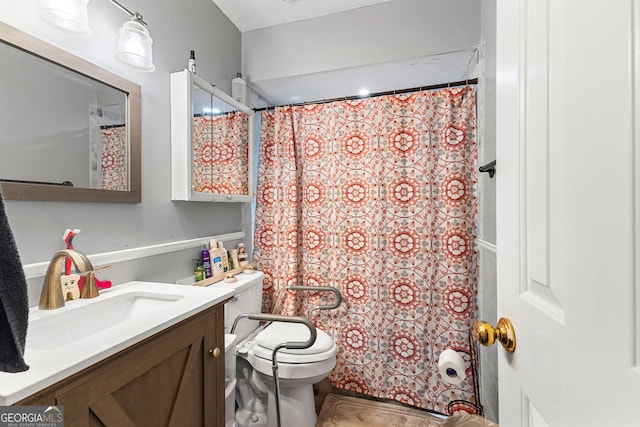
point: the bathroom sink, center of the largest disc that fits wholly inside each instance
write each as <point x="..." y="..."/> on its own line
<point x="75" y="322"/>
<point x="63" y="341"/>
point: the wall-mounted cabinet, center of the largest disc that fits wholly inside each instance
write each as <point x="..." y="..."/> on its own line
<point x="211" y="143"/>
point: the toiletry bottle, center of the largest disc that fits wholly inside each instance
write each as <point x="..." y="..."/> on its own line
<point x="239" y="88"/>
<point x="233" y="258"/>
<point x="192" y="62"/>
<point x="216" y="259"/>
<point x="242" y="255"/>
<point x="225" y="256"/>
<point x="206" y="261"/>
<point x="199" y="271"/>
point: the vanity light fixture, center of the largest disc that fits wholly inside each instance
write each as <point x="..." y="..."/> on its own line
<point x="134" y="43"/>
<point x="70" y="15"/>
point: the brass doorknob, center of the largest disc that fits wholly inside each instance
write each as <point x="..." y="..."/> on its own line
<point x="486" y="334"/>
<point x="214" y="352"/>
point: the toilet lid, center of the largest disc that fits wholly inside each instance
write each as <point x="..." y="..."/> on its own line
<point x="279" y="332"/>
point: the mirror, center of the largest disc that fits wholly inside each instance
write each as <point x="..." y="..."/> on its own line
<point x="70" y="130"/>
<point x="211" y="138"/>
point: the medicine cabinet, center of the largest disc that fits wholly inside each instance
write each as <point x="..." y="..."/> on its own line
<point x="211" y="143"/>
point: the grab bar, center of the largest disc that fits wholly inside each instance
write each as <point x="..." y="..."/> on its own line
<point x="337" y="302"/>
<point x="298" y="345"/>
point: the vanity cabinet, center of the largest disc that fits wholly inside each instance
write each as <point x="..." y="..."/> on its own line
<point x="173" y="378"/>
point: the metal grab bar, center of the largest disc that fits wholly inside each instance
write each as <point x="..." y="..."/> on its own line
<point x="298" y="345"/>
<point x="337" y="302"/>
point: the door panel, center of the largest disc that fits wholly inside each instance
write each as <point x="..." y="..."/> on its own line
<point x="567" y="211"/>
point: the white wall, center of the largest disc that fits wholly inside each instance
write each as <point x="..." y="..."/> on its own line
<point x="380" y="33"/>
<point x="176" y="28"/>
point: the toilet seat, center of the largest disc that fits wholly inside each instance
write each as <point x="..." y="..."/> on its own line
<point x="279" y="332"/>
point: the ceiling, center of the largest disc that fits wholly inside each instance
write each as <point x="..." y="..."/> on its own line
<point x="250" y="15"/>
<point x="381" y="77"/>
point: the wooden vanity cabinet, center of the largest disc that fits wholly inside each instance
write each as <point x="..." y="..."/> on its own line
<point x="173" y="378"/>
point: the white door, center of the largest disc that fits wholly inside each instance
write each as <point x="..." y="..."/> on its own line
<point x="568" y="211"/>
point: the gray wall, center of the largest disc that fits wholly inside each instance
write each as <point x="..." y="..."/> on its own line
<point x="383" y="32"/>
<point x="176" y="27"/>
<point x="487" y="295"/>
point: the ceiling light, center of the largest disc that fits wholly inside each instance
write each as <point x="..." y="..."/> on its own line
<point x="69" y="15"/>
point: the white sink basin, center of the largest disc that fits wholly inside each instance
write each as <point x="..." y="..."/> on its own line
<point x="96" y="315"/>
<point x="64" y="341"/>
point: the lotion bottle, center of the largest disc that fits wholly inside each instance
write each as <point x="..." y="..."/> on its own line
<point x="216" y="259"/>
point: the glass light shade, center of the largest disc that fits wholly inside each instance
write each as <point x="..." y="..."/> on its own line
<point x="69" y="15"/>
<point x="134" y="46"/>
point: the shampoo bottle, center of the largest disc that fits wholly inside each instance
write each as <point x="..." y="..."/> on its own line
<point x="225" y="256"/>
<point x="199" y="271"/>
<point x="206" y="261"/>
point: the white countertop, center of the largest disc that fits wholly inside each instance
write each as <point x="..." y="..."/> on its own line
<point x="51" y="361"/>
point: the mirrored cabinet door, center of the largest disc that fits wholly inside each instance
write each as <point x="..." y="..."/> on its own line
<point x="211" y="142"/>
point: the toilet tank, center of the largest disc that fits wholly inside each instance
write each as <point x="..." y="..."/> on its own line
<point x="247" y="298"/>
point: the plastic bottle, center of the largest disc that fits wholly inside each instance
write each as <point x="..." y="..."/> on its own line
<point x="192" y="62"/>
<point x="239" y="88"/>
<point x="199" y="271"/>
<point x="206" y="261"/>
<point x="225" y="257"/>
<point x="216" y="258"/>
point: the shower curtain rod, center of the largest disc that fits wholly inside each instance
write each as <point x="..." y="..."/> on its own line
<point x="389" y="92"/>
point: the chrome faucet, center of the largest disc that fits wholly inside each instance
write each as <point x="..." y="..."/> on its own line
<point x="51" y="296"/>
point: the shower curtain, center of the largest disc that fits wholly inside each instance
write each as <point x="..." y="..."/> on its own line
<point x="221" y="153"/>
<point x="376" y="197"/>
<point x="114" y="171"/>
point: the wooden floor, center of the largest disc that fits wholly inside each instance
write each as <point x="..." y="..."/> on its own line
<point x="340" y="408"/>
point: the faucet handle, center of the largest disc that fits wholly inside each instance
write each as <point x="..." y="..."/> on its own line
<point x="90" y="290"/>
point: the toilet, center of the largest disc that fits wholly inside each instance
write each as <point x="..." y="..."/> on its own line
<point x="298" y="370"/>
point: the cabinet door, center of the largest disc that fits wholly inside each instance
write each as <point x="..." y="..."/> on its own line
<point x="169" y="381"/>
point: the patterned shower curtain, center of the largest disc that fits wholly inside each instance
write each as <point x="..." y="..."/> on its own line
<point x="221" y="153"/>
<point x="114" y="163"/>
<point x="376" y="197"/>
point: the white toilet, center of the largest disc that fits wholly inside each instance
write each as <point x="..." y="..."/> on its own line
<point x="298" y="370"/>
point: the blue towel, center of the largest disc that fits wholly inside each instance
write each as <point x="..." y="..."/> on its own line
<point x="14" y="300"/>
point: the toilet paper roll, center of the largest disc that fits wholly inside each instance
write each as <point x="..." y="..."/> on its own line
<point x="451" y="367"/>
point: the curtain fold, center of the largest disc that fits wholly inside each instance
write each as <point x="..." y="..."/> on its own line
<point x="376" y="197"/>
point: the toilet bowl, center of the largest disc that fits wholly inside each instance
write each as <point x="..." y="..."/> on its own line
<point x="298" y="369"/>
